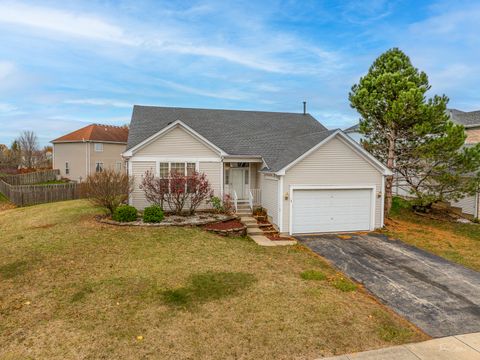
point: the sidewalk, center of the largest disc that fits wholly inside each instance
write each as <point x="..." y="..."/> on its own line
<point x="459" y="347"/>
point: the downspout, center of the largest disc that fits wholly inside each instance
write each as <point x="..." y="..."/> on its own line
<point x="222" y="177"/>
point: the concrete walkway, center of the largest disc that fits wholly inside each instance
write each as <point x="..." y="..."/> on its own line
<point x="459" y="347"/>
<point x="254" y="231"/>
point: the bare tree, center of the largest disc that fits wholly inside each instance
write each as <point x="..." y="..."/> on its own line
<point x="29" y="148"/>
<point x="108" y="189"/>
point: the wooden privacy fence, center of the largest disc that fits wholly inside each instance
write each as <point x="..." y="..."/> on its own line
<point x="22" y="195"/>
<point x="32" y="178"/>
<point x="15" y="188"/>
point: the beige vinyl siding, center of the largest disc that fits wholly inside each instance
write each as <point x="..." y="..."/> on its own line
<point x="109" y="156"/>
<point x="76" y="156"/>
<point x="270" y="198"/>
<point x="213" y="171"/>
<point x="467" y="204"/>
<point x="334" y="163"/>
<point x="139" y="168"/>
<point x="177" y="143"/>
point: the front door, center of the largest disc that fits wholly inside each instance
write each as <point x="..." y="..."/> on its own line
<point x="238" y="181"/>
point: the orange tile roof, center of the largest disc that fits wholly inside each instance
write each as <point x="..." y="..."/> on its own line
<point x="96" y="132"/>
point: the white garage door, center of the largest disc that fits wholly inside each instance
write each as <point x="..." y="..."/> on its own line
<point x="331" y="210"/>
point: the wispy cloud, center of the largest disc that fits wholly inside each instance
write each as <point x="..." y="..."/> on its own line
<point x="271" y="57"/>
<point x="76" y="24"/>
<point x="224" y="94"/>
<point x="7" y="108"/>
<point x="99" y="102"/>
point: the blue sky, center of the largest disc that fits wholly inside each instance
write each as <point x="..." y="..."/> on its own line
<point x="64" y="64"/>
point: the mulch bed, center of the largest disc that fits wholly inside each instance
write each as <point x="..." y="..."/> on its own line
<point x="225" y="225"/>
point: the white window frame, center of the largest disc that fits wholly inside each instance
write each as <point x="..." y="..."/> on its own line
<point x="118" y="166"/>
<point x="170" y="162"/>
<point x="98" y="147"/>
<point x="101" y="166"/>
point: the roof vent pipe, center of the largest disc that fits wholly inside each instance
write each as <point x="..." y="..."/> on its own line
<point x="304" y="108"/>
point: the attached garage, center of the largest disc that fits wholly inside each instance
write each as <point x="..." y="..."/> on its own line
<point x="317" y="209"/>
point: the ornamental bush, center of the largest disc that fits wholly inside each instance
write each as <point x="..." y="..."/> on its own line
<point x="125" y="213"/>
<point x="153" y="214"/>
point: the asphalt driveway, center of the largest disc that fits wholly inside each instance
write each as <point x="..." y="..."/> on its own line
<point x="440" y="297"/>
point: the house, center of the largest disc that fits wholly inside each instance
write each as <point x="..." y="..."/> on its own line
<point x="469" y="119"/>
<point x="90" y="149"/>
<point x="308" y="178"/>
<point x="469" y="205"/>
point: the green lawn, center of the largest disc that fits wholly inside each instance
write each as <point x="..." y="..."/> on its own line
<point x="456" y="242"/>
<point x="73" y="288"/>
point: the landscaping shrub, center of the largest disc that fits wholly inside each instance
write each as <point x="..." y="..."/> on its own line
<point x="216" y="204"/>
<point x="313" y="275"/>
<point x="259" y="211"/>
<point x="125" y="213"/>
<point x="225" y="206"/>
<point x="153" y="214"/>
<point x="108" y="188"/>
<point x="399" y="204"/>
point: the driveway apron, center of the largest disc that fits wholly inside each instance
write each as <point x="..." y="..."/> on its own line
<point x="440" y="297"/>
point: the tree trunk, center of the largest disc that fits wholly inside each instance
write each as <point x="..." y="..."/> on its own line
<point x="389" y="179"/>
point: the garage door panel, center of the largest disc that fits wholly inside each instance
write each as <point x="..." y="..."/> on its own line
<point x="324" y="210"/>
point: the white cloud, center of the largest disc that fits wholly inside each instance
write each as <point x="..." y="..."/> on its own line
<point x="224" y="94"/>
<point x="7" y="108"/>
<point x="179" y="38"/>
<point x="6" y="68"/>
<point x="82" y="25"/>
<point x="99" y="102"/>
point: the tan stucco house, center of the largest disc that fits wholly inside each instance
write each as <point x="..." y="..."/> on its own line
<point x="308" y="178"/>
<point x="90" y="149"/>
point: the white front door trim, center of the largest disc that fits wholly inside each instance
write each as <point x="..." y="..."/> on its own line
<point x="332" y="187"/>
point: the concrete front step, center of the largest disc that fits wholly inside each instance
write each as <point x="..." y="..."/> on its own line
<point x="254" y="231"/>
<point x="243" y="213"/>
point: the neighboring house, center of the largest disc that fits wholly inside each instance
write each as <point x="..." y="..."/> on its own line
<point x="90" y="149"/>
<point x="470" y="205"/>
<point x="354" y="132"/>
<point x="308" y="178"/>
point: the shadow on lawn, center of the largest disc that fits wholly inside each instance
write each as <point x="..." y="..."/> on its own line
<point x="207" y="287"/>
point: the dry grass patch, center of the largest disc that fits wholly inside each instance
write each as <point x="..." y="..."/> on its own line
<point x="81" y="289"/>
<point x="456" y="242"/>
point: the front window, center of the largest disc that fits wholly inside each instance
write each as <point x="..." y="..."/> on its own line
<point x="67" y="168"/>
<point x="118" y="166"/>
<point x="182" y="168"/>
<point x="178" y="168"/>
<point x="98" y="147"/>
<point x="99" y="167"/>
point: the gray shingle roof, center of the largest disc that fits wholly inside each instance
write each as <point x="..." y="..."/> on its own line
<point x="354" y="128"/>
<point x="278" y="137"/>
<point x="466" y="118"/>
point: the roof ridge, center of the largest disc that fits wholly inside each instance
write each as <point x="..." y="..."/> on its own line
<point x="207" y="109"/>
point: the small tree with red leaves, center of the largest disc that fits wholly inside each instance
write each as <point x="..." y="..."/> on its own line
<point x="155" y="188"/>
<point x="199" y="189"/>
<point x="178" y="190"/>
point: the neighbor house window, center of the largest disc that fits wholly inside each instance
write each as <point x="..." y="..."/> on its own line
<point x="99" y="167"/>
<point x="67" y="168"/>
<point x="118" y="166"/>
<point x="98" y="147"/>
